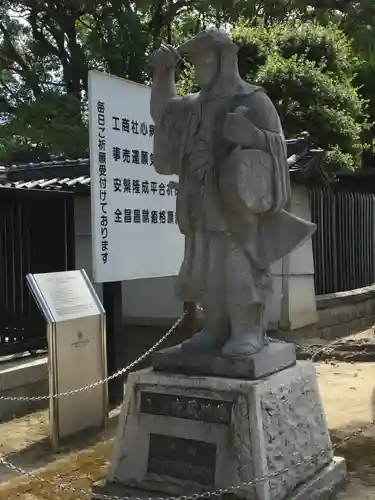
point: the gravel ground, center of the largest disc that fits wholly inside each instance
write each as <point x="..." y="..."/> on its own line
<point x="348" y="393"/>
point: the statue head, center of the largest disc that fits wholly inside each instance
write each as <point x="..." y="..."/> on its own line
<point x="212" y="53"/>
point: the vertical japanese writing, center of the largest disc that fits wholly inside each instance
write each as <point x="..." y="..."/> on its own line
<point x="102" y="160"/>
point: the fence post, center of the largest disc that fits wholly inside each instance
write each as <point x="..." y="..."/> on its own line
<point x="116" y="340"/>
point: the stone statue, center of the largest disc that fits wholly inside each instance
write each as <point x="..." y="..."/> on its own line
<point x="227" y="146"/>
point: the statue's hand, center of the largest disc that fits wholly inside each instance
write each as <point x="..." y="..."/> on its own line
<point x="239" y="130"/>
<point x="164" y="58"/>
<point x="234" y="125"/>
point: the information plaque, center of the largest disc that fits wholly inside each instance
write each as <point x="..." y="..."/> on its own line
<point x="76" y="351"/>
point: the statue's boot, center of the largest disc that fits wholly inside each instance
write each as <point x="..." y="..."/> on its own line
<point x="212" y="337"/>
<point x="247" y="330"/>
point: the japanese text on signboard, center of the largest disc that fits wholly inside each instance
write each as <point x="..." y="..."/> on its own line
<point x="131" y="202"/>
<point x="102" y="160"/>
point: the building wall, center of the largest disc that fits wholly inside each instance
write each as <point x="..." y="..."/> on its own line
<point x="152" y="301"/>
<point x="293" y="304"/>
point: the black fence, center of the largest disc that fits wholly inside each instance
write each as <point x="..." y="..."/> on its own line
<point x="36" y="236"/>
<point x="344" y="243"/>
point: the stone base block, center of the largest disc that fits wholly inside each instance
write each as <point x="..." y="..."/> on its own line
<point x="322" y="486"/>
<point x="182" y="435"/>
<point x="272" y="358"/>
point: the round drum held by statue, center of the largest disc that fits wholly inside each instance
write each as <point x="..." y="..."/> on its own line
<point x="245" y="181"/>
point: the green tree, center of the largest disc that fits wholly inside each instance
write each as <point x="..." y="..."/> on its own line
<point x="47" y="47"/>
<point x="307" y="69"/>
<point x="42" y="74"/>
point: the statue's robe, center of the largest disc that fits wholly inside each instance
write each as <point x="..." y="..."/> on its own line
<point x="189" y="142"/>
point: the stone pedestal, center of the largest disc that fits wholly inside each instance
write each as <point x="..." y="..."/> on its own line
<point x="274" y="357"/>
<point x="180" y="435"/>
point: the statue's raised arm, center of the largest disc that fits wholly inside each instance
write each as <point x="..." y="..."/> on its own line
<point x="163" y="64"/>
<point x="166" y="110"/>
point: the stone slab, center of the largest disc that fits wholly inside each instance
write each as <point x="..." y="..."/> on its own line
<point x="273" y="358"/>
<point x="182" y="435"/>
<point x="322" y="486"/>
<point x="23" y="372"/>
<point x="24" y="377"/>
<point x="325" y="484"/>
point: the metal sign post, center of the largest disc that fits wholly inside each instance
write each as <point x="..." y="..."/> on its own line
<point x="77" y="355"/>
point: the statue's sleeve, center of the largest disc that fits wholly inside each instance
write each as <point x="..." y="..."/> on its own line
<point x="262" y="113"/>
<point x="169" y="136"/>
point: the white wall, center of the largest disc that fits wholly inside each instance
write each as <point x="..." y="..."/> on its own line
<point x="293" y="304"/>
<point x="273" y="307"/>
<point x="150" y="299"/>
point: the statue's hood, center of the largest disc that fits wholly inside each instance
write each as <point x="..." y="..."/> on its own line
<point x="227" y="79"/>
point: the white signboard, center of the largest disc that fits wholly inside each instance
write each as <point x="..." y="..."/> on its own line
<point x="76" y="351"/>
<point x="134" y="227"/>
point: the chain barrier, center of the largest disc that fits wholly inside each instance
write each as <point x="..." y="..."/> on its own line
<point x="99" y="382"/>
<point x="126" y="369"/>
<point x="196" y="496"/>
<point x="57" y="481"/>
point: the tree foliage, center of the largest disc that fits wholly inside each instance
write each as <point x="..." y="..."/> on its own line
<point x="310" y="67"/>
<point x="307" y="70"/>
